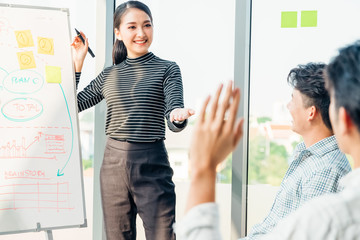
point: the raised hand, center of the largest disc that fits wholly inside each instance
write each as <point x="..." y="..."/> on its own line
<point x="214" y="136"/>
<point x="79" y="51"/>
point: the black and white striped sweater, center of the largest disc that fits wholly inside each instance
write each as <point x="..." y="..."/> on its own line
<point x="139" y="93"/>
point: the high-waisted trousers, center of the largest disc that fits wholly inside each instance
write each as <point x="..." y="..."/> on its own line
<point x="136" y="178"/>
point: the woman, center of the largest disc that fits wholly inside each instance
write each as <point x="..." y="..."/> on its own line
<point x="140" y="89"/>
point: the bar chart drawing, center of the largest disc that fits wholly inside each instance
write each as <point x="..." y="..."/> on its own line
<point x="51" y="143"/>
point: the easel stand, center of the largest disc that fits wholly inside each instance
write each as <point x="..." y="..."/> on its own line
<point x="49" y="235"/>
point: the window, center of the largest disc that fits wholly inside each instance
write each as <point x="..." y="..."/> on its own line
<point x="283" y="35"/>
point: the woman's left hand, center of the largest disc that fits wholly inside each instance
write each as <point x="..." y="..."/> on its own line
<point x="181" y="114"/>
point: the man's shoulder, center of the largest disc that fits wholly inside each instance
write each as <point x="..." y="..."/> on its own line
<point x="326" y="155"/>
<point x="336" y="159"/>
<point x="333" y="164"/>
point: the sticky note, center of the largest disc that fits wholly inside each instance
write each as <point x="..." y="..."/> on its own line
<point x="53" y="74"/>
<point x="26" y="60"/>
<point x="45" y="46"/>
<point x="308" y="18"/>
<point x="288" y="19"/>
<point x="24" y="38"/>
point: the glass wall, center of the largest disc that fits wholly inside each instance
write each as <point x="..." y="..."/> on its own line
<point x="283" y="35"/>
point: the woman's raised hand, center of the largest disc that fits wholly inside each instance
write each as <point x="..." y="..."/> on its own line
<point x="79" y="51"/>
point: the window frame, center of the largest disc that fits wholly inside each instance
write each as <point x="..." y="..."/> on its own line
<point x="240" y="155"/>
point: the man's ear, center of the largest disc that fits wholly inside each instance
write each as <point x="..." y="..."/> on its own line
<point x="312" y="113"/>
<point x="117" y="34"/>
<point x="346" y="125"/>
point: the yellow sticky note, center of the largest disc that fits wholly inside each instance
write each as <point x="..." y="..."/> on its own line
<point x="24" y="38"/>
<point x="45" y="46"/>
<point x="53" y="74"/>
<point x="26" y="60"/>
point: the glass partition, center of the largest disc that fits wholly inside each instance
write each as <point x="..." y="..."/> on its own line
<point x="283" y="35"/>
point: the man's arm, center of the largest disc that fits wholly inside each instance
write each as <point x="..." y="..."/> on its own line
<point x="213" y="139"/>
<point x="200" y="223"/>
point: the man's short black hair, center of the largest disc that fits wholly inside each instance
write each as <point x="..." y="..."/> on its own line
<point x="343" y="78"/>
<point x="309" y="80"/>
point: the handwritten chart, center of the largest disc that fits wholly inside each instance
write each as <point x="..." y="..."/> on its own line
<point x="41" y="174"/>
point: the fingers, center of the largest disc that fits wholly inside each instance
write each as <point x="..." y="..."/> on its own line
<point x="214" y="105"/>
<point x="186" y="114"/>
<point x="83" y="34"/>
<point x="191" y="112"/>
<point x="225" y="104"/>
<point x="181" y="114"/>
<point x="75" y="41"/>
<point x="176" y="115"/>
<point x="234" y="107"/>
<point x="86" y="42"/>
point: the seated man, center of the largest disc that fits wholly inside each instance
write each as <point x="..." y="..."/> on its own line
<point x="331" y="216"/>
<point x="317" y="163"/>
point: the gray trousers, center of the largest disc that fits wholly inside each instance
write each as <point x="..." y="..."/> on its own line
<point x="136" y="178"/>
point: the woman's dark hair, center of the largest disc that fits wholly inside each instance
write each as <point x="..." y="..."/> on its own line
<point x="119" y="53"/>
<point x="343" y="80"/>
<point x="309" y="80"/>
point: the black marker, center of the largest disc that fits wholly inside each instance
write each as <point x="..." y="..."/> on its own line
<point x="82" y="39"/>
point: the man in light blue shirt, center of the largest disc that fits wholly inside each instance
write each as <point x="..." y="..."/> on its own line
<point x="331" y="216"/>
<point x="317" y="163"/>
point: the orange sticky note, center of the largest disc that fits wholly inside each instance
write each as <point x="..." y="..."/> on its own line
<point x="24" y="38"/>
<point x="26" y="60"/>
<point x="45" y="46"/>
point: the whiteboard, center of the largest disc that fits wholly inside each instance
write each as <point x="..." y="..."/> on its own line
<point x="41" y="184"/>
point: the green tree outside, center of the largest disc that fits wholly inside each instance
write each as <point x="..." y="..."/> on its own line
<point x="268" y="161"/>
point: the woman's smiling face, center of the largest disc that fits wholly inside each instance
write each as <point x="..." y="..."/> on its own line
<point x="136" y="31"/>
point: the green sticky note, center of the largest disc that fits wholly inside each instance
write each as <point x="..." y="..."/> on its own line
<point x="53" y="74"/>
<point x="308" y="18"/>
<point x="288" y="19"/>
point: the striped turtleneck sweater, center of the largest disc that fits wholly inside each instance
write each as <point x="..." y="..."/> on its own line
<point x="139" y="93"/>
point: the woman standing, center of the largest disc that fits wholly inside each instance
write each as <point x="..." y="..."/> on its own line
<point x="140" y="89"/>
